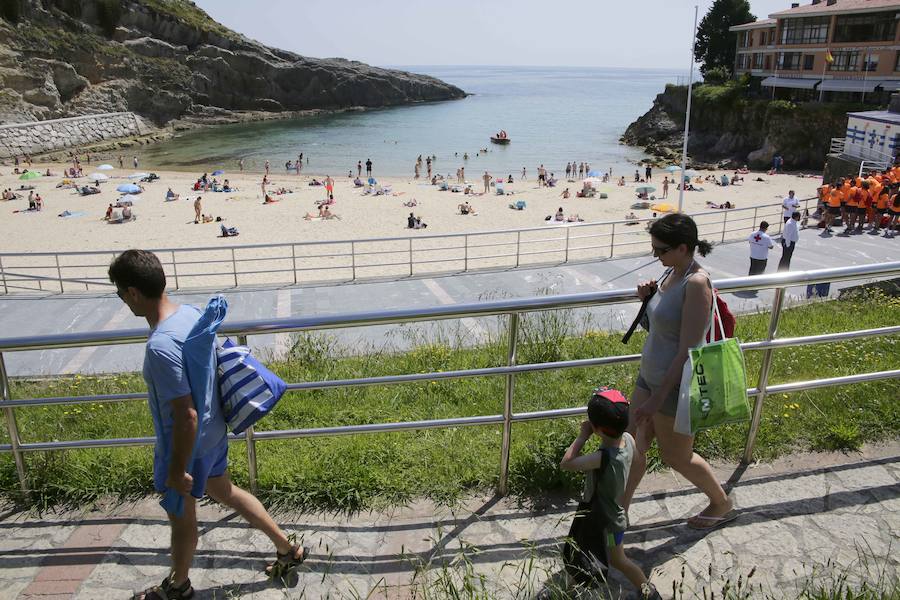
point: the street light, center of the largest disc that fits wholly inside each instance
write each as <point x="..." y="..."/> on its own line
<point x="687" y="116"/>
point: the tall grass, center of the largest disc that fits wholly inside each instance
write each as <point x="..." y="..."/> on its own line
<point x="369" y="471"/>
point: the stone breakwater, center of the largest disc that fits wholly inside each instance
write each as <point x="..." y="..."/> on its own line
<point x="40" y="137"/>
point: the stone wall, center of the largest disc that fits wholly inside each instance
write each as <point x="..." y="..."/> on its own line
<point x="58" y="134"/>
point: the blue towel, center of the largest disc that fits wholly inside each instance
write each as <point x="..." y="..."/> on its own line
<point x="199" y="355"/>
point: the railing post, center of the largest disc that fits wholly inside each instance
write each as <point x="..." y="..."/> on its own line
<point x="724" y="226"/>
<point x="518" y="243"/>
<point x="294" y="260"/>
<point x="764" y="371"/>
<point x="3" y="273"/>
<point x="175" y="269"/>
<point x="755" y="222"/>
<point x="612" y="241"/>
<point x="353" y="260"/>
<point x="465" y="253"/>
<point x="234" y="267"/>
<point x="566" y="256"/>
<point x="410" y="257"/>
<point x="59" y="273"/>
<point x="250" y="440"/>
<point x="12" y="427"/>
<point x="507" y="404"/>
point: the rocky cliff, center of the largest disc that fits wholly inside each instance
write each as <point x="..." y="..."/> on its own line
<point x="166" y="60"/>
<point x="728" y="128"/>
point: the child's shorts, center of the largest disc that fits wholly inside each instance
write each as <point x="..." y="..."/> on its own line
<point x="614" y="539"/>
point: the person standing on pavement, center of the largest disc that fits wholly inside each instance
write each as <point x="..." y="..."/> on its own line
<point x="141" y="284"/>
<point x="789" y="206"/>
<point x="789" y="238"/>
<point x="760" y="244"/>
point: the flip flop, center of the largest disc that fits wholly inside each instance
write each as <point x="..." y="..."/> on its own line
<point x="712" y="522"/>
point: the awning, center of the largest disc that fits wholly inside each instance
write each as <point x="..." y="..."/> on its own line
<point x="890" y="86"/>
<point x="790" y="82"/>
<point x="849" y="85"/>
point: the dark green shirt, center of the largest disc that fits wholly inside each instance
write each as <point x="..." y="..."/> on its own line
<point x="612" y="485"/>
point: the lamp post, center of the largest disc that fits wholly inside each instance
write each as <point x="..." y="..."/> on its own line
<point x="687" y="116"/>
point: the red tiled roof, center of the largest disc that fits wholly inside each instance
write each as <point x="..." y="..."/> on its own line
<point x="841" y="6"/>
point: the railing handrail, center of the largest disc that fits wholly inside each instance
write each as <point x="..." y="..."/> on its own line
<point x="446" y="311"/>
<point x="391" y="239"/>
<point x="513" y="308"/>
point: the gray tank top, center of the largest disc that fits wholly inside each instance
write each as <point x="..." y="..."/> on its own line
<point x="664" y="315"/>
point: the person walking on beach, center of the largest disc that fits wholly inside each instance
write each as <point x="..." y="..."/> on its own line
<point x="581" y="170"/>
<point x="568" y="169"/>
<point x="523" y="174"/>
<point x="141" y="284"/>
<point x="197" y="210"/>
<point x="462" y="174"/>
<point x="369" y="167"/>
<point x="486" y="178"/>
<point x="665" y="193"/>
<point x="329" y="188"/>
<point x="428" y="166"/>
<point x="267" y="167"/>
<point x="760" y="244"/>
<point x="416" y="170"/>
<point x="648" y="173"/>
<point x="135" y="162"/>
<point x="359" y="168"/>
<point x="789" y="238"/>
<point x="678" y="313"/>
<point x="241" y="165"/>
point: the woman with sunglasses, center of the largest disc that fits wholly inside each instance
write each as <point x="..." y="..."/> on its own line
<point x="678" y="317"/>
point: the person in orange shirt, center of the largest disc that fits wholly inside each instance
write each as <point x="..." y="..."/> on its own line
<point x="834" y="200"/>
<point x="895" y="215"/>
<point x="851" y="205"/>
<point x="879" y="210"/>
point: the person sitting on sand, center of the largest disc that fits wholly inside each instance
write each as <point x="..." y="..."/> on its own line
<point x="466" y="209"/>
<point x="509" y="179"/>
<point x="736" y="178"/>
<point x="109" y="211"/>
<point x="206" y="218"/>
<point x="170" y="195"/>
<point x="420" y="224"/>
<point x="48" y="173"/>
<point x="269" y="200"/>
<point x="315" y="182"/>
<point x="127" y="214"/>
<point x="631" y="218"/>
<point x="226" y="187"/>
<point x="359" y="183"/>
<point x="622" y="181"/>
<point x="228" y="231"/>
<point x="411" y="221"/>
<point x="743" y="170"/>
<point x="560" y="215"/>
<point x="574" y="218"/>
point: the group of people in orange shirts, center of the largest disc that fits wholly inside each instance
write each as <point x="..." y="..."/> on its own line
<point x="874" y="198"/>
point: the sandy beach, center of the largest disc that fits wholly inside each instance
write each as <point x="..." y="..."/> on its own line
<point x="161" y="224"/>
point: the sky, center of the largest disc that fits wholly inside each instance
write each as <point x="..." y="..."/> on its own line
<point x="600" y="33"/>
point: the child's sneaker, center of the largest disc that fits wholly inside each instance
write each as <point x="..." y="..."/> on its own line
<point x="647" y="592"/>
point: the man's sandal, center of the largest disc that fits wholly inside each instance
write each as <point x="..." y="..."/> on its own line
<point x="284" y="563"/>
<point x="167" y="591"/>
<point x="706" y="523"/>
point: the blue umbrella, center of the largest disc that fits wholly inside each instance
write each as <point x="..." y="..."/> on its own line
<point x="672" y="168"/>
<point x="128" y="188"/>
<point x="218" y="172"/>
<point x="594" y="174"/>
<point x="129" y="198"/>
<point x="105" y="167"/>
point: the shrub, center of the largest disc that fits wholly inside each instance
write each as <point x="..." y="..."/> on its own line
<point x="11" y="10"/>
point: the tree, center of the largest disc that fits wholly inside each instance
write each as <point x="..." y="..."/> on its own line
<point x="715" y="45"/>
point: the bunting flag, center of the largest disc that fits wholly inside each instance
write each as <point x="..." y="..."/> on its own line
<point x="828" y="57"/>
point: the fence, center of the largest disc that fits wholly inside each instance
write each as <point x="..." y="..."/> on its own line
<point x="513" y="308"/>
<point x="350" y="260"/>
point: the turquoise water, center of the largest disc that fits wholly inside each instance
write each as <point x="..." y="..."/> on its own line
<point x="552" y="115"/>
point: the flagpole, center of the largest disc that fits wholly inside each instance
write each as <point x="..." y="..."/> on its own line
<point x="824" y="66"/>
<point x="865" y="72"/>
<point x="687" y="116"/>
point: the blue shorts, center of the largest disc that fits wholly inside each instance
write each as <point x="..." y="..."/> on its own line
<point x="212" y="464"/>
<point x="614" y="539"/>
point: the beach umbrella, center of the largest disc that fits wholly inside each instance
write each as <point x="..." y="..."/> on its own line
<point x="663" y="208"/>
<point x="594" y="174"/>
<point x="138" y="175"/>
<point x="672" y="168"/>
<point x="691" y="173"/>
<point x="105" y="167"/>
<point x="98" y="177"/>
<point x="218" y="172"/>
<point x="645" y="189"/>
<point x="30" y="175"/>
<point x="128" y="188"/>
<point x="592" y="180"/>
<point x="129" y="198"/>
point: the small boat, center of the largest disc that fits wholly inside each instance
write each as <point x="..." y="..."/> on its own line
<point x="500" y="137"/>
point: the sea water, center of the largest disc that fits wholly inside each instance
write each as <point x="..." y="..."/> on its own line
<point x="553" y="115"/>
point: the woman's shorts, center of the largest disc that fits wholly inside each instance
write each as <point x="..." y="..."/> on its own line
<point x="835" y="210"/>
<point x="860" y="210"/>
<point x="670" y="405"/>
<point x="894" y="213"/>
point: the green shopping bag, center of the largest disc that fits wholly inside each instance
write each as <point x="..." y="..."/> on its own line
<point x="714" y="386"/>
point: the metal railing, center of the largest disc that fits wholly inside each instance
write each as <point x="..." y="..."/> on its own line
<point x="513" y="308"/>
<point x="337" y="261"/>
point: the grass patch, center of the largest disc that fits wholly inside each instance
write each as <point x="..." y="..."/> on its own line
<point x="371" y="471"/>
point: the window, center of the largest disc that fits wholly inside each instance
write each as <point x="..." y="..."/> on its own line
<point x="768" y="62"/>
<point x="763" y="38"/>
<point x="870" y="63"/>
<point x="897" y="62"/>
<point x="845" y="60"/>
<point x="789" y="61"/>
<point x="808" y="62"/>
<point x="757" y="61"/>
<point x="811" y="30"/>
<point x="743" y="61"/>
<point x="873" y="27"/>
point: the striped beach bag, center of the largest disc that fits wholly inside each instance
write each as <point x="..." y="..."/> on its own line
<point x="248" y="389"/>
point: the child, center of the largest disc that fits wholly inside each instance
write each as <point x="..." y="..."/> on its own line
<point x="608" y="419"/>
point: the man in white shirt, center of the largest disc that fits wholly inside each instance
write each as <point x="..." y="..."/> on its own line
<point x="789" y="238"/>
<point x="760" y="244"/>
<point x="789" y="204"/>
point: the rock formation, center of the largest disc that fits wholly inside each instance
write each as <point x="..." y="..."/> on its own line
<point x="167" y="60"/>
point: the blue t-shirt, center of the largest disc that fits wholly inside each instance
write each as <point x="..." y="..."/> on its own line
<point x="167" y="379"/>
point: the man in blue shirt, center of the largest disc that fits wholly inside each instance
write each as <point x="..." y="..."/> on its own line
<point x="141" y="282"/>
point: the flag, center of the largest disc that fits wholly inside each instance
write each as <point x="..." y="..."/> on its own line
<point x="828" y="57"/>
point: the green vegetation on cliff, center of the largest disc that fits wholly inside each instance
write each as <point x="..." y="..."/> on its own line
<point x="443" y="464"/>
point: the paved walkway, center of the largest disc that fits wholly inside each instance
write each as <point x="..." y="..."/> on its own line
<point x="20" y="316"/>
<point x="796" y="515"/>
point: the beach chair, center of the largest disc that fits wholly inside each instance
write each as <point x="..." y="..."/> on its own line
<point x="443" y="186"/>
<point x="500" y="190"/>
